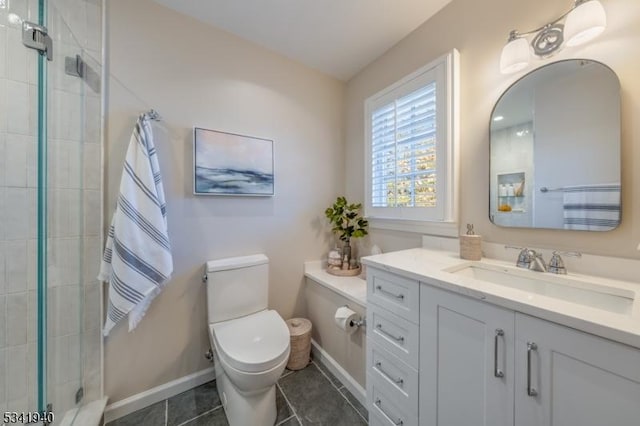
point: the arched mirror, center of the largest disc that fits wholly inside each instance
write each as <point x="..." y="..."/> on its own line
<point x="555" y="149"/>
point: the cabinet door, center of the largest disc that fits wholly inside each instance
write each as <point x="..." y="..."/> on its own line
<point x="565" y="377"/>
<point x="466" y="361"/>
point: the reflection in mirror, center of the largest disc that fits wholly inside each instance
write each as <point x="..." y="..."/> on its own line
<point x="555" y="149"/>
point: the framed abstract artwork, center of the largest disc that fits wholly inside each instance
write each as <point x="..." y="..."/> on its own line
<point x="230" y="164"/>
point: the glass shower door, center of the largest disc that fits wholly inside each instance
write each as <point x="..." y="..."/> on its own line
<point x="50" y="208"/>
<point x="19" y="307"/>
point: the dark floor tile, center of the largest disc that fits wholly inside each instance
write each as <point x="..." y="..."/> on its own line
<point x="212" y="418"/>
<point x="284" y="411"/>
<point x="292" y="421"/>
<point x="153" y="415"/>
<point x="337" y="383"/>
<point x="352" y="399"/>
<point x="192" y="403"/>
<point x="316" y="401"/>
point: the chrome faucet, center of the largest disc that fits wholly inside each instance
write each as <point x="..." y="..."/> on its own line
<point x="531" y="259"/>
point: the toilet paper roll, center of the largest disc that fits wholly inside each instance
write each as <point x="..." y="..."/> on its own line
<point x="346" y="318"/>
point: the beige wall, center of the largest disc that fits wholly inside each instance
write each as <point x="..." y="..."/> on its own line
<point x="479" y="30"/>
<point x="195" y="75"/>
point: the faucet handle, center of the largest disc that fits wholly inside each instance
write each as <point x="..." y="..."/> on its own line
<point x="525" y="258"/>
<point x="556" y="264"/>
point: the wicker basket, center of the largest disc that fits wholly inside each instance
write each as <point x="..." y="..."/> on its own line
<point x="300" y="332"/>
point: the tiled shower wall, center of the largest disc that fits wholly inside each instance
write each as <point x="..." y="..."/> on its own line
<point x="74" y="216"/>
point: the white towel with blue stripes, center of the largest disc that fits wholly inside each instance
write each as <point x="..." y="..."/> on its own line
<point x="137" y="259"/>
<point x="591" y="207"/>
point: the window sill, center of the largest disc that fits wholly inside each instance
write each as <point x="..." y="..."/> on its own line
<point x="442" y="229"/>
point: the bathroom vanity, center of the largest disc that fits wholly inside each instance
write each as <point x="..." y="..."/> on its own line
<point x="453" y="342"/>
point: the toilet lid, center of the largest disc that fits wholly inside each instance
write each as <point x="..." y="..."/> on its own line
<point x="253" y="343"/>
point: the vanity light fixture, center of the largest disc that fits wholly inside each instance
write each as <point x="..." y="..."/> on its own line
<point x="584" y="21"/>
<point x="498" y="118"/>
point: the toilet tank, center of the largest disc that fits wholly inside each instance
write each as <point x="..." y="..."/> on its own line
<point x="237" y="286"/>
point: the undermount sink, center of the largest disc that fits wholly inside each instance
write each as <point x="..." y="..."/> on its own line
<point x="579" y="291"/>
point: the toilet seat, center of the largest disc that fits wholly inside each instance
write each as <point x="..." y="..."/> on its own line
<point x="253" y="343"/>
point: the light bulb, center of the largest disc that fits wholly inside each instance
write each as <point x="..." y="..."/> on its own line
<point x="585" y="21"/>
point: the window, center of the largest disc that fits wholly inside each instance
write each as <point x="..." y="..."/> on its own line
<point x="410" y="153"/>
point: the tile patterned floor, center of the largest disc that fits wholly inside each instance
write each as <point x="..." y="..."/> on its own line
<point x="312" y="396"/>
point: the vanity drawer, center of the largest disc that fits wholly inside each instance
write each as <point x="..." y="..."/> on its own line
<point x="399" y="379"/>
<point x="397" y="335"/>
<point x="384" y="408"/>
<point x="398" y="294"/>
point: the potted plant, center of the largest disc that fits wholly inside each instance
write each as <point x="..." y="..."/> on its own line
<point x="347" y="223"/>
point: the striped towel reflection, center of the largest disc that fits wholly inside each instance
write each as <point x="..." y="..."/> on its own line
<point x="591" y="207"/>
<point x="137" y="257"/>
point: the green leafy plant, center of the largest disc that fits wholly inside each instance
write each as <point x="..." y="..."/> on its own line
<point x="346" y="220"/>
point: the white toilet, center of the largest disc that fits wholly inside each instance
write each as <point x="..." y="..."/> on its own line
<point x="250" y="342"/>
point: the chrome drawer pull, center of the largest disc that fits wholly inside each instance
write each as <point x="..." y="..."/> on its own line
<point x="386" y="333"/>
<point x="397" y="296"/>
<point x="399" y="381"/>
<point x="398" y="422"/>
<point x="531" y="391"/>
<point x="496" y="371"/>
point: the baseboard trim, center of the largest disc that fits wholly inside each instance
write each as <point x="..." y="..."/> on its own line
<point x="159" y="393"/>
<point x="341" y="374"/>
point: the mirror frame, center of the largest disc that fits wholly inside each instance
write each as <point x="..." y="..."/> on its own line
<point x="493" y="110"/>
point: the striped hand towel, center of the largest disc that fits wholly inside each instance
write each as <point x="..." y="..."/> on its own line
<point x="591" y="207"/>
<point x="137" y="259"/>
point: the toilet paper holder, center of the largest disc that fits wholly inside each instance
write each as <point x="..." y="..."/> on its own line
<point x="356" y="323"/>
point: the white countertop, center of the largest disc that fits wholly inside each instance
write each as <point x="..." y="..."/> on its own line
<point x="352" y="288"/>
<point x="427" y="266"/>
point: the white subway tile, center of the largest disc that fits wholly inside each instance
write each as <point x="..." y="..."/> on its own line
<point x="93" y="118"/>
<point x="15" y="266"/>
<point x="32" y="264"/>
<point x="32" y="376"/>
<point x="18" y="114"/>
<point x="75" y="165"/>
<point x="3" y="213"/>
<point x="91" y="164"/>
<point x="92" y="213"/>
<point x="16" y="217"/>
<point x="53" y="317"/>
<point x="3" y="321"/>
<point x="32" y="218"/>
<point x="16" y="328"/>
<point x="3" y="379"/>
<point x="68" y="312"/>
<point x="15" y="170"/>
<point x="3" y="156"/>
<point x="92" y="259"/>
<point x="94" y="25"/>
<point x="33" y="110"/>
<point x="32" y="162"/>
<point x="3" y="288"/>
<point x="17" y="66"/>
<point x="91" y="307"/>
<point x="3" y="105"/>
<point x="74" y="210"/>
<point x="32" y="316"/>
<point x="16" y="365"/>
<point x="3" y="52"/>
<point x="91" y="342"/>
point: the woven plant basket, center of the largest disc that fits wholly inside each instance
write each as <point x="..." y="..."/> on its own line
<point x="300" y="332"/>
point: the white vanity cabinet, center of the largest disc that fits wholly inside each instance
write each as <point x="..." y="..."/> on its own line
<point x="466" y="361"/>
<point x="568" y="377"/>
<point x="393" y="337"/>
<point x="485" y="365"/>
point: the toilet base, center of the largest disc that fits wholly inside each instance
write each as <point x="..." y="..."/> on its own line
<point x="257" y="408"/>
